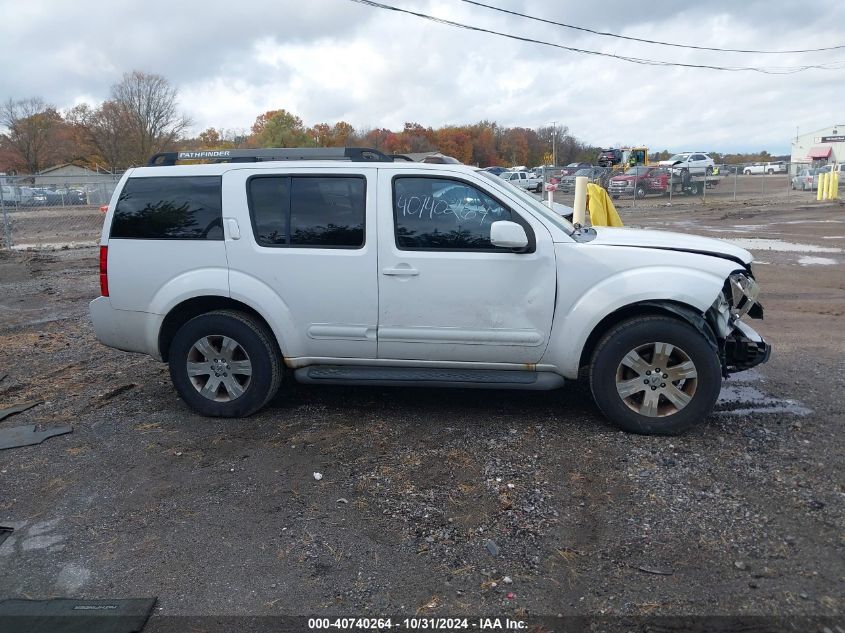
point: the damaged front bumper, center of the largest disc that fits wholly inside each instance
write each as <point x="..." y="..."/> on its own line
<point x="744" y="349"/>
<point x="740" y="347"/>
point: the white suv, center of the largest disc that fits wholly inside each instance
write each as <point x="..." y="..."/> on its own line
<point x="695" y="163"/>
<point x="343" y="266"/>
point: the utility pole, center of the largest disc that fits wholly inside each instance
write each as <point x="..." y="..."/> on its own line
<point x="554" y="143"/>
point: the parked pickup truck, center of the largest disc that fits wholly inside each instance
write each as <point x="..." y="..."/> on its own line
<point x="524" y="180"/>
<point x="765" y="168"/>
<point x="637" y="181"/>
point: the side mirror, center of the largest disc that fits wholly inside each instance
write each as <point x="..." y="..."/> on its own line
<point x="507" y="234"/>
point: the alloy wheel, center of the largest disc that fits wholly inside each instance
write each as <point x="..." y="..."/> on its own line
<point x="656" y="379"/>
<point x="219" y="368"/>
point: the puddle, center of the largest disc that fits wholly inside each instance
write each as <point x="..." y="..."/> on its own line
<point x="807" y="260"/>
<point x="738" y="397"/>
<point x="52" y="246"/>
<point x="763" y="244"/>
<point x="812" y="222"/>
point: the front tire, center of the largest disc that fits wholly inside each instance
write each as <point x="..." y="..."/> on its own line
<point x="225" y="364"/>
<point x="655" y="375"/>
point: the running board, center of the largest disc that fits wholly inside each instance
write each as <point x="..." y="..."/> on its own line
<point x="428" y="377"/>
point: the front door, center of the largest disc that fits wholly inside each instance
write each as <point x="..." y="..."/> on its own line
<point x="445" y="292"/>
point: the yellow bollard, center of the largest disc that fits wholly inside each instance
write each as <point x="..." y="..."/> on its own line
<point x="834" y="186"/>
<point x="821" y="194"/>
<point x="829" y="188"/>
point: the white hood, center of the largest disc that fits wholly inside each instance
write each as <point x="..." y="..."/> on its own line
<point x="610" y="236"/>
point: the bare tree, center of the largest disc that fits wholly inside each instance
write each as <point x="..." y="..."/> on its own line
<point x="148" y="103"/>
<point x="30" y="123"/>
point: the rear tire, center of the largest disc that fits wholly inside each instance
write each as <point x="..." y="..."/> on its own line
<point x="225" y="364"/>
<point x="653" y="403"/>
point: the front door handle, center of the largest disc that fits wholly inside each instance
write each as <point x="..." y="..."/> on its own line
<point x="402" y="271"/>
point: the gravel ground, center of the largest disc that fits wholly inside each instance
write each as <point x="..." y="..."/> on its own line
<point x="433" y="502"/>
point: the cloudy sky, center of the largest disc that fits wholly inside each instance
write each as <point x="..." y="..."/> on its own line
<point x="330" y="60"/>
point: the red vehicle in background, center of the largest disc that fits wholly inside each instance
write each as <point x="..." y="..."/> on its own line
<point x="640" y="181"/>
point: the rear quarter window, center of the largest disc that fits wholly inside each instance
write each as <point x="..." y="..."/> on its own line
<point x="169" y="208"/>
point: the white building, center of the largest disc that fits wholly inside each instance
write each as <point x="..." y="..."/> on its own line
<point x="819" y="147"/>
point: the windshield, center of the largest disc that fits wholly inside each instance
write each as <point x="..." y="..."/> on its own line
<point x="678" y="157"/>
<point x="636" y="171"/>
<point x="532" y="202"/>
<point x="583" y="172"/>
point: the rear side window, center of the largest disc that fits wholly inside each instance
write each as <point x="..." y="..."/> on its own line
<point x="308" y="211"/>
<point x="169" y="208"/>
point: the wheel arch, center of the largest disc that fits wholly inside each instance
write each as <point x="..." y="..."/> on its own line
<point x="675" y="309"/>
<point x="195" y="306"/>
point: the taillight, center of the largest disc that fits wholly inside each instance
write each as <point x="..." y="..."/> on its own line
<point x="104" y="271"/>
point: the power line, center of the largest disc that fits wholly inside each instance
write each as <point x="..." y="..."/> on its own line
<point x="645" y="41"/>
<point x="768" y="70"/>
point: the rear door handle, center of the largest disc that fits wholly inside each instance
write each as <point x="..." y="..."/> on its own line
<point x="407" y="271"/>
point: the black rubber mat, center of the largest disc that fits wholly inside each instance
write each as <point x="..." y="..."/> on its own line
<point x="64" y="615"/>
<point x="18" y="408"/>
<point x="27" y="435"/>
<point x="5" y="532"/>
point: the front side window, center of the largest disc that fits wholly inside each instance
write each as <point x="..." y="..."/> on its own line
<point x="308" y="211"/>
<point x="443" y="214"/>
<point x="169" y="208"/>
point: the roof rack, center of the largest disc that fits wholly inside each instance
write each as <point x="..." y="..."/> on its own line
<point x="353" y="154"/>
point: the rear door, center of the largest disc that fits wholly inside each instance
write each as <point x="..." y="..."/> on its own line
<point x="308" y="241"/>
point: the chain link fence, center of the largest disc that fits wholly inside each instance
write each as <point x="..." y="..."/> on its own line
<point x="52" y="212"/>
<point x="651" y="186"/>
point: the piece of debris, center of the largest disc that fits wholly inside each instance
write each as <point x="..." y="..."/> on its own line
<point x="318" y="476"/>
<point x="740" y="565"/>
<point x="18" y="436"/>
<point x="511" y="595"/>
<point x="117" y="391"/>
<point x="654" y="570"/>
<point x="5" y="532"/>
<point x="3" y="377"/>
<point x="492" y="548"/>
<point x="507" y="580"/>
<point x="342" y="500"/>
<point x="18" y="408"/>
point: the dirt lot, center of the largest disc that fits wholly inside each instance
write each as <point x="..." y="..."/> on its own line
<point x="429" y="499"/>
